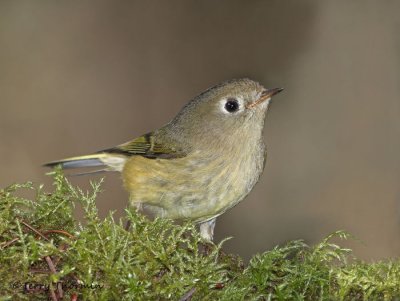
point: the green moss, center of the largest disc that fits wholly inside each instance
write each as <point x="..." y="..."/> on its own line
<point x="43" y="247"/>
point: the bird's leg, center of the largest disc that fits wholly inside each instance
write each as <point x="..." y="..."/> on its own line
<point x="207" y="229"/>
<point x="207" y="233"/>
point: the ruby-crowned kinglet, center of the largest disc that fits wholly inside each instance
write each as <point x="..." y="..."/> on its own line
<point x="203" y="162"/>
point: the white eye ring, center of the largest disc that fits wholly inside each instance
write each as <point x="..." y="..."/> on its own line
<point x="231" y="105"/>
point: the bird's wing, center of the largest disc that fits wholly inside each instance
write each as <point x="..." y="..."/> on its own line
<point x="115" y="158"/>
<point x="146" y="146"/>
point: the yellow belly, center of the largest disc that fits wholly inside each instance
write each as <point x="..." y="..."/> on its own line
<point x="192" y="187"/>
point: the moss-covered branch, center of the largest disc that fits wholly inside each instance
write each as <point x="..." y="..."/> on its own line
<point x="45" y="253"/>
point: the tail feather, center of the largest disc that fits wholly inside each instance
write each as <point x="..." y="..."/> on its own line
<point x="112" y="162"/>
<point x="88" y="172"/>
<point x="76" y="163"/>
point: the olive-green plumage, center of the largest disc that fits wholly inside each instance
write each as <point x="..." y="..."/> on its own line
<point x="203" y="162"/>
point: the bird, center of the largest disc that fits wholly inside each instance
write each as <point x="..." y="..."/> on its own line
<point x="200" y="164"/>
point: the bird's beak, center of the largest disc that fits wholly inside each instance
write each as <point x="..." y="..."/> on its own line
<point x="271" y="92"/>
<point x="266" y="94"/>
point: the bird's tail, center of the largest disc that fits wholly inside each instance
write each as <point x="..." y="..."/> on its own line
<point x="109" y="162"/>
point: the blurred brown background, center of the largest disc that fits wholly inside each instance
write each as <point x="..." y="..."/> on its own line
<point x="76" y="77"/>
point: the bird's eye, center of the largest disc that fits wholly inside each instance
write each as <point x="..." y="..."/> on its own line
<point x="232" y="105"/>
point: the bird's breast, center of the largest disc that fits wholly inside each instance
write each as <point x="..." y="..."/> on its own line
<point x="198" y="186"/>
